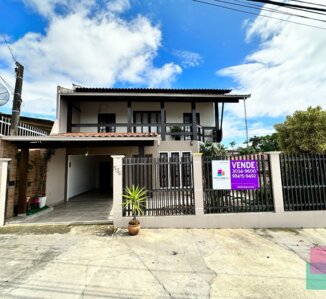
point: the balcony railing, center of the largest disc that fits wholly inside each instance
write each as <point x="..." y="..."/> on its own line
<point x="23" y="129"/>
<point x="177" y="131"/>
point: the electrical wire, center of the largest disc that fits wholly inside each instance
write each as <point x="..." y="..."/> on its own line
<point x="276" y="10"/>
<point x="271" y="10"/>
<point x="12" y="54"/>
<point x="284" y="4"/>
<point x="306" y="2"/>
<point x="259" y="15"/>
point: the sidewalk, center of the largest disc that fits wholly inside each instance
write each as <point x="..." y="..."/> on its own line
<point x="90" y="262"/>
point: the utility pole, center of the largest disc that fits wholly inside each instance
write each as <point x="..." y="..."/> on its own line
<point x="17" y="99"/>
<point x="246" y="122"/>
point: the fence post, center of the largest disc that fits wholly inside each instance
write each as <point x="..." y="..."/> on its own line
<point x="198" y="184"/>
<point x="117" y="189"/>
<point x="276" y="177"/>
<point x="3" y="189"/>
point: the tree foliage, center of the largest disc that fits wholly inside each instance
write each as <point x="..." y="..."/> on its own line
<point x="267" y="143"/>
<point x="303" y="132"/>
<point x="212" y="149"/>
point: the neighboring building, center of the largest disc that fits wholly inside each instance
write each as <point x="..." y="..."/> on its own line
<point x="94" y="123"/>
<point x="28" y="126"/>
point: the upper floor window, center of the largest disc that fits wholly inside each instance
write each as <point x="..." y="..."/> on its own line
<point x="187" y="119"/>
<point x="147" y="121"/>
<point x="104" y="119"/>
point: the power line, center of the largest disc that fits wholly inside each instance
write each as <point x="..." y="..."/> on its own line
<point x="270" y="10"/>
<point x="306" y="2"/>
<point x="12" y="54"/>
<point x="284" y="4"/>
<point x="259" y="15"/>
<point x="291" y="8"/>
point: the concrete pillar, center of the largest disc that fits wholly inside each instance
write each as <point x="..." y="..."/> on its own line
<point x="117" y="189"/>
<point x="3" y="189"/>
<point x="276" y="181"/>
<point x="198" y="183"/>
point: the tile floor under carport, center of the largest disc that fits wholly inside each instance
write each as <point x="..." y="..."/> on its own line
<point x="90" y="207"/>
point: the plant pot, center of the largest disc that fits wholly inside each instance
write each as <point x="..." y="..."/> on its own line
<point x="133" y="229"/>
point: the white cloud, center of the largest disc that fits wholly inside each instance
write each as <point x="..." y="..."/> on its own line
<point x="85" y="48"/>
<point x="287" y="71"/>
<point x="234" y="128"/>
<point x="48" y="8"/>
<point x="118" y="6"/>
<point x="188" y="58"/>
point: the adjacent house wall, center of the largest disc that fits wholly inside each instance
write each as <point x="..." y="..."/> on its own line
<point x="81" y="174"/>
<point x="56" y="177"/>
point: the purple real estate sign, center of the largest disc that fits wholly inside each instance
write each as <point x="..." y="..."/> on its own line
<point x="244" y="174"/>
<point x="235" y="175"/>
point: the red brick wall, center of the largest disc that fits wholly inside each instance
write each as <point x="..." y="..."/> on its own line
<point x="8" y="150"/>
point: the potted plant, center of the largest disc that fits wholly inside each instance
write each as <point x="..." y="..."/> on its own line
<point x="176" y="129"/>
<point x="134" y="198"/>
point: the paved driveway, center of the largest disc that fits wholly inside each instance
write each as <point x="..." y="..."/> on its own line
<point x="90" y="262"/>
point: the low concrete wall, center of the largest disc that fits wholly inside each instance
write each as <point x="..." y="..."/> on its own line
<point x="307" y="219"/>
<point x="279" y="218"/>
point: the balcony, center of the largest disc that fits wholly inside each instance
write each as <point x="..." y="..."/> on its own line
<point x="167" y="131"/>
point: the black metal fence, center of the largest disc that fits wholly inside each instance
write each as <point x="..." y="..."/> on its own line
<point x="304" y="181"/>
<point x="168" y="181"/>
<point x="239" y="201"/>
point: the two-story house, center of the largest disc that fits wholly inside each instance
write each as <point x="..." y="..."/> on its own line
<point x="94" y="123"/>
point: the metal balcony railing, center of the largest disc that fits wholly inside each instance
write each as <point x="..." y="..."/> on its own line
<point x="23" y="129"/>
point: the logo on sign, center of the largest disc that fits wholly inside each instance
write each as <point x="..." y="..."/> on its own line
<point x="220" y="172"/>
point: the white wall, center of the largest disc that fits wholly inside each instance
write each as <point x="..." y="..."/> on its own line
<point x="62" y="117"/>
<point x="89" y="113"/>
<point x="81" y="174"/>
<point x="56" y="177"/>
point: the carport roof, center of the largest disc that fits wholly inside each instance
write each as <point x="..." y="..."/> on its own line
<point x="77" y="139"/>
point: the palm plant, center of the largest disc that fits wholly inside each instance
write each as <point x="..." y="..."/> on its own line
<point x="135" y="197"/>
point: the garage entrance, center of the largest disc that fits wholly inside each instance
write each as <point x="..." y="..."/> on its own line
<point x="89" y="174"/>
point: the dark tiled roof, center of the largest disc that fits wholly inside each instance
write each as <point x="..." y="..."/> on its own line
<point x="84" y="134"/>
<point x="154" y="90"/>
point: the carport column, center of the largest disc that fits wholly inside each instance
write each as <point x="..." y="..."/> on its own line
<point x="117" y="189"/>
<point x="3" y="189"/>
<point x="198" y="184"/>
<point x="276" y="181"/>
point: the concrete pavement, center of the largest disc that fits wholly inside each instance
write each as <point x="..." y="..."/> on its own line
<point x="90" y="262"/>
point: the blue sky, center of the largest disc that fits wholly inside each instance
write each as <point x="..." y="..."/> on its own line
<point x="163" y="43"/>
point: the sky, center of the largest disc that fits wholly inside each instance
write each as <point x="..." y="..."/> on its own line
<point x="164" y="43"/>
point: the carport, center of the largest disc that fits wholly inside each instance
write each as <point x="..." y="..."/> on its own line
<point x="79" y="174"/>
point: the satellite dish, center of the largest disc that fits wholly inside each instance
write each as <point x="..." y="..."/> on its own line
<point x="4" y="95"/>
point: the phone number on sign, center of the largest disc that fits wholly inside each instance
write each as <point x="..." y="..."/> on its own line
<point x="244" y="176"/>
<point x="244" y="171"/>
